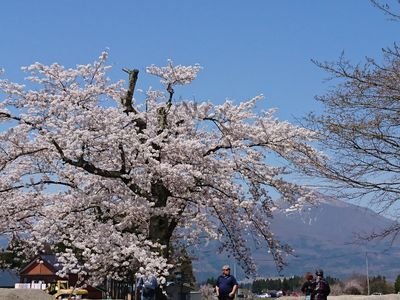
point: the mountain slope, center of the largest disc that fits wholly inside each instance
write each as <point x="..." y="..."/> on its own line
<point x="324" y="236"/>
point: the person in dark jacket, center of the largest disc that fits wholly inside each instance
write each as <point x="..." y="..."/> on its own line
<point x="308" y="286"/>
<point x="148" y="286"/>
<point x="321" y="289"/>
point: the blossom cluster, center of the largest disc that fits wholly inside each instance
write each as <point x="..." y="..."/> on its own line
<point x="112" y="192"/>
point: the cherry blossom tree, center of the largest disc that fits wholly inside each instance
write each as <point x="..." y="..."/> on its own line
<point x="111" y="183"/>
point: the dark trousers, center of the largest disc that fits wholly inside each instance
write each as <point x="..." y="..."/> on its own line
<point x="225" y="297"/>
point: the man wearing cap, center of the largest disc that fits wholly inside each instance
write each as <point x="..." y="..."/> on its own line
<point x="227" y="285"/>
<point x="322" y="288"/>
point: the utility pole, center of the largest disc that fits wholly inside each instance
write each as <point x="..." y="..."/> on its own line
<point x="234" y="273"/>
<point x="366" y="262"/>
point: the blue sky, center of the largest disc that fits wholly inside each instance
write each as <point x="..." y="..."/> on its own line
<point x="245" y="47"/>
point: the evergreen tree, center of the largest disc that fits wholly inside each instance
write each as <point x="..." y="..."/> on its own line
<point x="259" y="286"/>
<point x="397" y="284"/>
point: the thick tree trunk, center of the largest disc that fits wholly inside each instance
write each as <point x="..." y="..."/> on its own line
<point x="161" y="227"/>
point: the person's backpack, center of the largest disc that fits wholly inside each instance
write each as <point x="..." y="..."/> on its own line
<point x="322" y="287"/>
<point x="148" y="292"/>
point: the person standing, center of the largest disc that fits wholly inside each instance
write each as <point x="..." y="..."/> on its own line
<point x="308" y="286"/>
<point x="227" y="285"/>
<point x="321" y="289"/>
<point x="147" y="286"/>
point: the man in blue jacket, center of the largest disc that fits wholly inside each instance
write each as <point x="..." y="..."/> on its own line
<point x="227" y="285"/>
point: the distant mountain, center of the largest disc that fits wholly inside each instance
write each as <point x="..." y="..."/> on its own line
<point x="3" y="242"/>
<point x="323" y="236"/>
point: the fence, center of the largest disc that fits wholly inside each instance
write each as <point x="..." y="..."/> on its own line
<point x="37" y="286"/>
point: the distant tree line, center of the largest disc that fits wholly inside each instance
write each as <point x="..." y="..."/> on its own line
<point x="354" y="285"/>
<point x="287" y="285"/>
<point x="357" y="285"/>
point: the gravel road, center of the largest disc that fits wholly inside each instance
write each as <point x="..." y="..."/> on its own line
<point x="23" y="294"/>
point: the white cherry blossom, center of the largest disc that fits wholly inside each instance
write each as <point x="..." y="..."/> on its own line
<point x="111" y="184"/>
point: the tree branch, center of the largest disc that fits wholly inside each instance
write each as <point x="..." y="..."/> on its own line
<point x="127" y="101"/>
